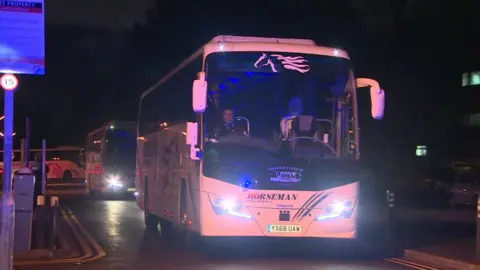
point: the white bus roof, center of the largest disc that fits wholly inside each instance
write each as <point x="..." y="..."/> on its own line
<point x="226" y="38"/>
<point x="244" y="44"/>
<point x="271" y="44"/>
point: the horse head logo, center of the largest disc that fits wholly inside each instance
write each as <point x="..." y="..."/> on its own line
<point x="297" y="63"/>
<point x="265" y="60"/>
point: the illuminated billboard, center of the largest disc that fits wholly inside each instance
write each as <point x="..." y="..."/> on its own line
<point x="22" y="37"/>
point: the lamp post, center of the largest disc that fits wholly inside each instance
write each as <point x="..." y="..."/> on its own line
<point x="9" y="83"/>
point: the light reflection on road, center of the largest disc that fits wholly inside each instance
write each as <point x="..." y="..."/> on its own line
<point x="113" y="211"/>
<point x="119" y="227"/>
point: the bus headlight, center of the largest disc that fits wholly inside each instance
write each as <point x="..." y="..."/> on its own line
<point x="228" y="206"/>
<point x="114" y="180"/>
<point x="338" y="209"/>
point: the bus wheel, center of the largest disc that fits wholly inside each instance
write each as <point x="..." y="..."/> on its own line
<point x="166" y="229"/>
<point x="151" y="221"/>
<point x="67" y="175"/>
<point x="192" y="240"/>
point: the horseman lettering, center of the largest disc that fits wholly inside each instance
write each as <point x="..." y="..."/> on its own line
<point x="276" y="61"/>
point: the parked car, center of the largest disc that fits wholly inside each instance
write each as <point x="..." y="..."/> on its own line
<point x="465" y="188"/>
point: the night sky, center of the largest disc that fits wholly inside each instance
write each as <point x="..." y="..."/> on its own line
<point x="114" y="15"/>
<point x="101" y="55"/>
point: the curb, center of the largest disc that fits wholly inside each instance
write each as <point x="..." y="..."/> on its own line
<point x="47" y="254"/>
<point x="436" y="260"/>
<point x="34" y="254"/>
<point x="89" y="250"/>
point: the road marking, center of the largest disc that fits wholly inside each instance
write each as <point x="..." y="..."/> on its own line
<point x="78" y="230"/>
<point x="411" y="264"/>
<point x="99" y="249"/>
<point x="87" y="251"/>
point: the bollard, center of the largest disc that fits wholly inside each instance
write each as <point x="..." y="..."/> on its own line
<point x="53" y="221"/>
<point x="477" y="249"/>
<point x="23" y="194"/>
<point x="7" y="225"/>
<point x="390" y="215"/>
<point x="40" y="219"/>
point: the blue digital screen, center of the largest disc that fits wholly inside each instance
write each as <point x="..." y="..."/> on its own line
<point x="22" y="37"/>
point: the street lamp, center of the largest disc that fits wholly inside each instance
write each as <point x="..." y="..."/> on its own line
<point x="1" y="133"/>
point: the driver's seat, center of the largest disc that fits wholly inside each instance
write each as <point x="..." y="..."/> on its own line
<point x="303" y="126"/>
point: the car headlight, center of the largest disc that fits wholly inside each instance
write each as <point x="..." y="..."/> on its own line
<point x="338" y="209"/>
<point x="228" y="206"/>
<point x="114" y="180"/>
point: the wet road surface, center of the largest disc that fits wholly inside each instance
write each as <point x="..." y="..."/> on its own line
<point x="118" y="226"/>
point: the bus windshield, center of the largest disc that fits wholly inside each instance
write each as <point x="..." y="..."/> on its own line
<point x="267" y="87"/>
<point x="121" y="148"/>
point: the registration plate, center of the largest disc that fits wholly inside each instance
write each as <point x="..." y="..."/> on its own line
<point x="284" y="228"/>
<point x="131" y="189"/>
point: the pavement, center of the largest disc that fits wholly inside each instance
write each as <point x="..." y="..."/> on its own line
<point x="455" y="255"/>
<point x="74" y="245"/>
<point x="118" y="227"/>
<point x="115" y="234"/>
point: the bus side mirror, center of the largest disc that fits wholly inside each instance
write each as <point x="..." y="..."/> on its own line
<point x="199" y="93"/>
<point x="192" y="133"/>
<point x="192" y="140"/>
<point x="377" y="96"/>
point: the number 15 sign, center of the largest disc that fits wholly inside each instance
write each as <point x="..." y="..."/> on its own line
<point x="9" y="82"/>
